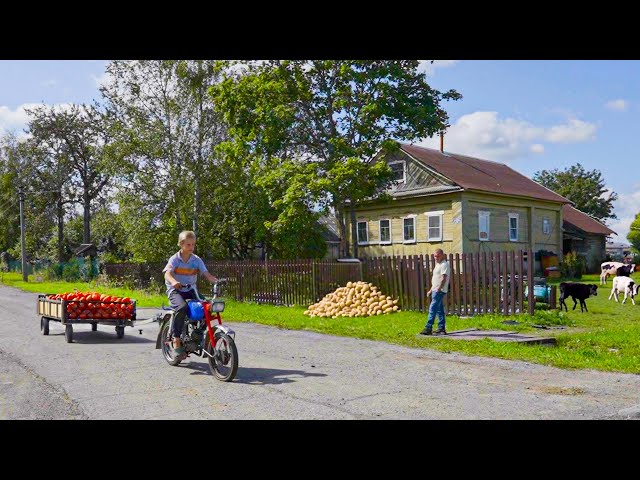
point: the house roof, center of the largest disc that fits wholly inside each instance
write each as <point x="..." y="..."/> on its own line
<point x="476" y="174"/>
<point x="85" y="248"/>
<point x="583" y="221"/>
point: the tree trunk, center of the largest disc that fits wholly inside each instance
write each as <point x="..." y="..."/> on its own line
<point x="344" y="245"/>
<point x="60" y="215"/>
<point x="86" y="234"/>
<point x="196" y="205"/>
<point x="354" y="229"/>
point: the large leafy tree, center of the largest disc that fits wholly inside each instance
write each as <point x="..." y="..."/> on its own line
<point x="323" y="121"/>
<point x="80" y="136"/>
<point x="586" y="188"/>
<point x="10" y="167"/>
<point x="634" y="233"/>
<point x="167" y="129"/>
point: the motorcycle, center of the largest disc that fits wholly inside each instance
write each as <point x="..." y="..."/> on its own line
<point x="201" y="336"/>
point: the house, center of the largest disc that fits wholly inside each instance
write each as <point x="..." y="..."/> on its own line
<point x="460" y="204"/>
<point x="618" y="251"/>
<point x="331" y="235"/>
<point x="585" y="236"/>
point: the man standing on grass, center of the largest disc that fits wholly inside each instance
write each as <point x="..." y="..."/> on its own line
<point x="439" y="288"/>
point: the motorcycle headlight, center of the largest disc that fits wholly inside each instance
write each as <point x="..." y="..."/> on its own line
<point x="217" y="307"/>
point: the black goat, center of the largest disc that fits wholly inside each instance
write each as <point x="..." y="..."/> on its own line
<point x="578" y="291"/>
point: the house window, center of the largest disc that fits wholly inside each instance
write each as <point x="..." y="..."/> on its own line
<point x="434" y="226"/>
<point x="409" y="229"/>
<point x="546" y="225"/>
<point x="484" y="225"/>
<point x="398" y="171"/>
<point x="363" y="234"/>
<point x="513" y="227"/>
<point x="385" y="231"/>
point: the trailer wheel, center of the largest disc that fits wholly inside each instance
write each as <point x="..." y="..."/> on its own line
<point x="68" y="333"/>
<point x="94" y="327"/>
<point x="44" y="325"/>
<point x="120" y="332"/>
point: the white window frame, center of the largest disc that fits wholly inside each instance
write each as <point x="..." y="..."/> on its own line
<point x="547" y="221"/>
<point x="436" y="213"/>
<point x="384" y="242"/>
<point x="412" y="217"/>
<point x="517" y="217"/>
<point x="482" y="213"/>
<point x="404" y="171"/>
<point x="362" y="242"/>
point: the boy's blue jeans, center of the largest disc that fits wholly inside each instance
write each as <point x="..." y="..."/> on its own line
<point x="436" y="307"/>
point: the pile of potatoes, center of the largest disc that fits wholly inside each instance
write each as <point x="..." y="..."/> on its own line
<point x="357" y="299"/>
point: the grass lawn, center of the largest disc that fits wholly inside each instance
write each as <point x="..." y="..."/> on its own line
<point x="605" y="338"/>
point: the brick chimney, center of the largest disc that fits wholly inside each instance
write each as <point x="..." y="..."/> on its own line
<point x="442" y="142"/>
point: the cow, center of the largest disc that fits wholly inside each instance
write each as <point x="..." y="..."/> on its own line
<point x="624" y="285"/>
<point x="608" y="268"/>
<point x="625" y="270"/>
<point x="580" y="291"/>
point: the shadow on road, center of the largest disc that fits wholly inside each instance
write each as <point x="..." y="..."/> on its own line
<point x="256" y="376"/>
<point x="102" y="337"/>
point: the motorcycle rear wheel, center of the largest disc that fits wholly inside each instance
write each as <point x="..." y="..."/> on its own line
<point x="167" y="348"/>
<point x="224" y="360"/>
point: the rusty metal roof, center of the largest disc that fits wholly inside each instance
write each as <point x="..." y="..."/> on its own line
<point x="583" y="221"/>
<point x="484" y="175"/>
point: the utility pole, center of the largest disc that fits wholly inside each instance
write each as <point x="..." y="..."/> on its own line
<point x="25" y="276"/>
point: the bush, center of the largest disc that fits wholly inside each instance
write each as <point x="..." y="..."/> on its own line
<point x="72" y="272"/>
<point x="573" y="266"/>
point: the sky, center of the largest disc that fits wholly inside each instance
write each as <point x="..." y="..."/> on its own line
<point x="530" y="114"/>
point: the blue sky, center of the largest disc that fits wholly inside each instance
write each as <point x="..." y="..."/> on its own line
<point x="530" y="114"/>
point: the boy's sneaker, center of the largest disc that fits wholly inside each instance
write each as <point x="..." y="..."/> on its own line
<point x="440" y="331"/>
<point x="426" y="331"/>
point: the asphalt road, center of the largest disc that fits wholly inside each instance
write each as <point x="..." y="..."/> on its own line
<point x="282" y="375"/>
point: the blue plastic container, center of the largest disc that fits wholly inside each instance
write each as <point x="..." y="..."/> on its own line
<point x="541" y="292"/>
<point x="196" y="310"/>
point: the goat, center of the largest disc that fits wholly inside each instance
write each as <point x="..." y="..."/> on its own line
<point x="578" y="291"/>
<point x="624" y="285"/>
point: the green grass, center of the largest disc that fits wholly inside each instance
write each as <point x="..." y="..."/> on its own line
<point x="606" y="338"/>
<point x="143" y="299"/>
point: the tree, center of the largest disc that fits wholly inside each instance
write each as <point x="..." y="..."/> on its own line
<point x="9" y="212"/>
<point x="166" y="131"/>
<point x="634" y="233"/>
<point x="328" y="119"/>
<point x="80" y="136"/>
<point x="585" y="188"/>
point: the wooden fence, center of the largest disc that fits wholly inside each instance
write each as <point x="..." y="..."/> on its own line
<point x="487" y="282"/>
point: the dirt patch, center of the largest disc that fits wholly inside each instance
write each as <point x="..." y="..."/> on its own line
<point x="563" y="391"/>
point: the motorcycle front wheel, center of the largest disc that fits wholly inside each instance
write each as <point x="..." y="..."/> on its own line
<point x="223" y="361"/>
<point x="167" y="349"/>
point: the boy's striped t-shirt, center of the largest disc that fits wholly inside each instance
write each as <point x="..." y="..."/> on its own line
<point x="184" y="272"/>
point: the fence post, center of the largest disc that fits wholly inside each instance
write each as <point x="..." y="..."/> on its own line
<point x="530" y="273"/>
<point x="552" y="297"/>
<point x="313" y="281"/>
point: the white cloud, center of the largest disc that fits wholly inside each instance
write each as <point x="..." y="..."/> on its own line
<point x="626" y="208"/>
<point x="48" y="83"/>
<point x="486" y="135"/>
<point x="617" y="105"/>
<point x="101" y="80"/>
<point x="574" y="131"/>
<point x="16" y="120"/>
<point x="537" y="148"/>
<point x="429" y="68"/>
